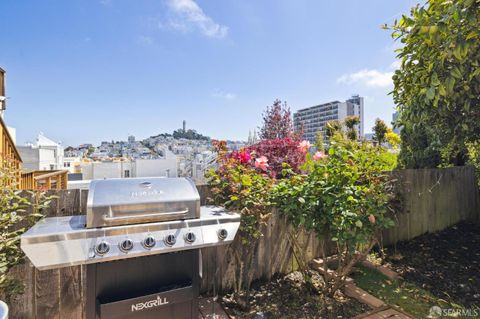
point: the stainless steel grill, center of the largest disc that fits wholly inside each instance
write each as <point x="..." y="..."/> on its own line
<point x="130" y="224"/>
<point x="135" y="201"/>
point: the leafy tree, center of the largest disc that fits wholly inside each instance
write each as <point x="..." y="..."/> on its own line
<point x="350" y="122"/>
<point x="438" y="83"/>
<point x="419" y="147"/>
<point x="392" y="138"/>
<point x="332" y="128"/>
<point x="279" y="152"/>
<point x="189" y="135"/>
<point x="380" y="130"/>
<point x="277" y="122"/>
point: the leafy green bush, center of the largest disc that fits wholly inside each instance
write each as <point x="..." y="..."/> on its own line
<point x="346" y="198"/>
<point x="474" y="157"/>
<point x="245" y="188"/>
<point x="241" y="187"/>
<point x="18" y="211"/>
<point x="437" y="87"/>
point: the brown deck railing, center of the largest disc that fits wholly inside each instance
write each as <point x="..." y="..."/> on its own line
<point x="44" y="180"/>
<point x="9" y="156"/>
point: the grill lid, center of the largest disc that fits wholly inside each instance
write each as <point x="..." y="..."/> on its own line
<point x="140" y="200"/>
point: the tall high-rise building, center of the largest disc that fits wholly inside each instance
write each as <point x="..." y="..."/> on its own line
<point x="2" y="91"/>
<point x="315" y="118"/>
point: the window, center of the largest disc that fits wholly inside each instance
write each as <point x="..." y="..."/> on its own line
<point x="52" y="167"/>
<point x="126" y="173"/>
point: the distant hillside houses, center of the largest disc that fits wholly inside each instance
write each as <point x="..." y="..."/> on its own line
<point x="183" y="153"/>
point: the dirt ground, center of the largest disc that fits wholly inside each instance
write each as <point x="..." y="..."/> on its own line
<point x="289" y="297"/>
<point x="446" y="263"/>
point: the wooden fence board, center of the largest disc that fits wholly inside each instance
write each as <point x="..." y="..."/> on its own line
<point x="47" y="294"/>
<point x="70" y="292"/>
<point x="22" y="305"/>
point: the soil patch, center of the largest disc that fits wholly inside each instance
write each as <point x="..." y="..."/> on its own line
<point x="289" y="297"/>
<point x="446" y="263"/>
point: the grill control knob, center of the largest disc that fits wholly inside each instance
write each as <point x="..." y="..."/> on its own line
<point x="102" y="248"/>
<point x="222" y="234"/>
<point x="149" y="242"/>
<point x="189" y="237"/>
<point x="126" y="245"/>
<point x="170" y="240"/>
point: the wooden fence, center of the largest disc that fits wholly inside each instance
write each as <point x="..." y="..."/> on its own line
<point x="434" y="200"/>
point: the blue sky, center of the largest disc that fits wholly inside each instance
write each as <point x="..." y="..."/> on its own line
<point x="91" y="70"/>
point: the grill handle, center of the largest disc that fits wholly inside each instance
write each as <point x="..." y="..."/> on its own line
<point x="177" y="214"/>
<point x="200" y="263"/>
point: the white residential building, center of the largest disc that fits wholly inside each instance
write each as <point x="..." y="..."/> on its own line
<point x="72" y="164"/>
<point x="125" y="168"/>
<point x="315" y="118"/>
<point x="45" y="154"/>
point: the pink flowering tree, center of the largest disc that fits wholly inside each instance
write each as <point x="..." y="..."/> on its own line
<point x="280" y="153"/>
<point x="277" y="122"/>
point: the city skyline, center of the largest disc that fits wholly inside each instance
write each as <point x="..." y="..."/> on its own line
<point x="143" y="68"/>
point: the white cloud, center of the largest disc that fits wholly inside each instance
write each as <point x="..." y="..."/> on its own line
<point x="370" y="78"/>
<point x="187" y="15"/>
<point x="219" y="94"/>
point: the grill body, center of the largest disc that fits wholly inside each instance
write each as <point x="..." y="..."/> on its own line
<point x="140" y="242"/>
<point x="161" y="286"/>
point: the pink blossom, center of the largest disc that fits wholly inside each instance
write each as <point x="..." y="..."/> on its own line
<point x="304" y="146"/>
<point x="371" y="218"/>
<point x="262" y="163"/>
<point x="244" y="157"/>
<point x="319" y="156"/>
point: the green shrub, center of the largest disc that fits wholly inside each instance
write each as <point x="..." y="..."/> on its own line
<point x="346" y="198"/>
<point x="18" y="211"/>
<point x="474" y="157"/>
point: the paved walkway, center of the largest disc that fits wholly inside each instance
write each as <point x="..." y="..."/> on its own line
<point x="384" y="313"/>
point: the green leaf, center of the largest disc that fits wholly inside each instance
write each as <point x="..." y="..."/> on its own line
<point x="359" y="224"/>
<point x="246" y="180"/>
<point x="301" y="200"/>
<point x="431" y="93"/>
<point x="457" y="73"/>
<point x="441" y="90"/>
